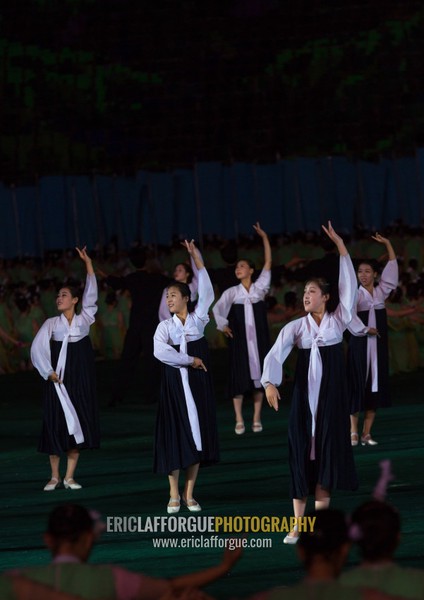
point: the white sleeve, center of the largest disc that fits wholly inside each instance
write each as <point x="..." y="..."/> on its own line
<point x="164" y="352"/>
<point x="163" y="307"/>
<point x="263" y="282"/>
<point x="389" y="277"/>
<point x="89" y="299"/>
<point x="273" y="363"/>
<point x="206" y="295"/>
<point x="348" y="289"/>
<point x="194" y="285"/>
<point x="357" y="327"/>
<point x="223" y="306"/>
<point x="40" y="349"/>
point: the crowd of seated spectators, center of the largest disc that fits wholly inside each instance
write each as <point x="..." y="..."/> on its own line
<point x="374" y="526"/>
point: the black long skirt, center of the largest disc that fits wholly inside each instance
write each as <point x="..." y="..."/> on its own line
<point x="240" y="381"/>
<point x="333" y="467"/>
<point x="174" y="443"/>
<point x="359" y="385"/>
<point x="80" y="383"/>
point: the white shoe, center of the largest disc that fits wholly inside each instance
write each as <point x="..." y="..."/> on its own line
<point x="173" y="509"/>
<point x="71" y="484"/>
<point x="366" y="440"/>
<point x="192" y="505"/>
<point x="239" y="428"/>
<point x="291" y="539"/>
<point x="49" y="487"/>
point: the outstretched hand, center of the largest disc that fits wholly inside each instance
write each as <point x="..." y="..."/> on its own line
<point x="330" y="231"/>
<point x="259" y="230"/>
<point x="382" y="240"/>
<point x="190" y="246"/>
<point x="379" y="238"/>
<point x="84" y="256"/>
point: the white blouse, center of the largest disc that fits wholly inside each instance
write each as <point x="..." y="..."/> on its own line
<point x="238" y="294"/>
<point x="59" y="329"/>
<point x="366" y="301"/>
<point x="172" y="332"/>
<point x="306" y="333"/>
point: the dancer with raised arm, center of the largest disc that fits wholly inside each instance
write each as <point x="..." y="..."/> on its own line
<point x="62" y="354"/>
<point x="368" y="357"/>
<point x="320" y="454"/>
<point x="241" y="314"/>
<point x="186" y="430"/>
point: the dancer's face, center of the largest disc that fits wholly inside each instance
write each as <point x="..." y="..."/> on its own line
<point x="243" y="270"/>
<point x="180" y="274"/>
<point x="366" y="275"/>
<point x="175" y="300"/>
<point x="313" y="299"/>
<point x="64" y="300"/>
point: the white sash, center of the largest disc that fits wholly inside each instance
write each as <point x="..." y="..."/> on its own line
<point x="251" y="337"/>
<point x="372" y="349"/>
<point x="315" y="372"/>
<point x="193" y="416"/>
<point x="72" y="421"/>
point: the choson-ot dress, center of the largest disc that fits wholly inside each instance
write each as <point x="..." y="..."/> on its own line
<point x="70" y="410"/>
<point x="244" y="312"/>
<point x="186" y="429"/>
<point x="368" y="356"/>
<point x="320" y="451"/>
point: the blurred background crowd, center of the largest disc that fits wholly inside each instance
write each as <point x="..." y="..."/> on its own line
<point x="28" y="288"/>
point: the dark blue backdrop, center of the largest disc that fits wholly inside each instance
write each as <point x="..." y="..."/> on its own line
<point x="287" y="196"/>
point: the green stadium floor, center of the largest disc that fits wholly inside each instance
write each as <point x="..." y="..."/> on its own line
<point x="252" y="479"/>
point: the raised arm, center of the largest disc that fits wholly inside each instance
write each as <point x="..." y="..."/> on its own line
<point x="382" y="240"/>
<point x="390" y="276"/>
<point x="90" y="295"/>
<point x="267" y="246"/>
<point x="347" y="278"/>
<point x="86" y="259"/>
<point x="194" y="253"/>
<point x="194" y="285"/>
<point x="329" y="230"/>
<point x="205" y="287"/>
